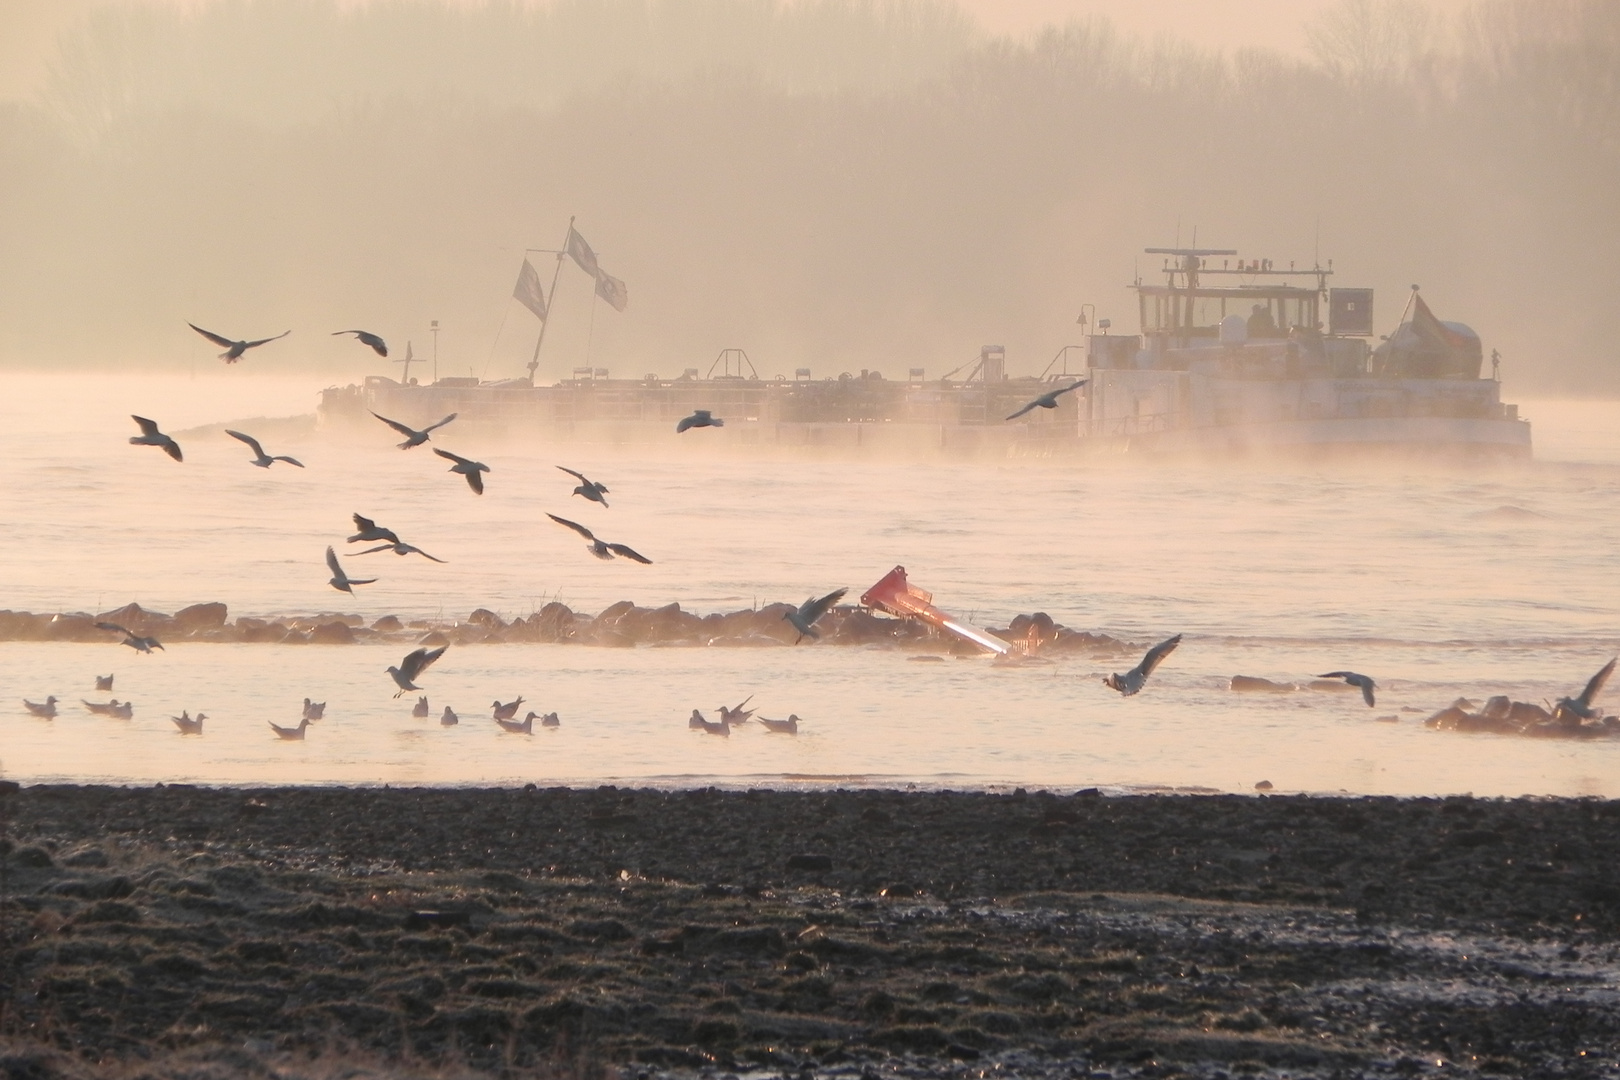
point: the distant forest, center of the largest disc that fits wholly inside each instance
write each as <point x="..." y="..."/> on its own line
<point x="831" y="184"/>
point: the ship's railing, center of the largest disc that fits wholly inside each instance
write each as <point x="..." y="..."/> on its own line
<point x="1124" y="426"/>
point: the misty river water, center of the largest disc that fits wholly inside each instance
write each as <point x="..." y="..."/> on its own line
<point x="1438" y="583"/>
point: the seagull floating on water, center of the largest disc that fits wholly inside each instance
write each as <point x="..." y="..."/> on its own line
<point x="699" y="418"/>
<point x="588" y="488"/>
<point x="234" y="349"/>
<point x="449" y="717"/>
<point x="104" y="682"/>
<point x="291" y="733"/>
<point x="1569" y="712"/>
<point x="518" y="727"/>
<point x="1364" y="682"/>
<point x="1131" y="682"/>
<point x="260" y="458"/>
<point x="466" y="467"/>
<point x="1048" y="400"/>
<point x="804" y="618"/>
<point x="421" y="707"/>
<point x="188" y="726"/>
<point x="551" y="719"/>
<point x="790" y="726"/>
<point x="412" y="666"/>
<point x="738" y="716"/>
<point x="399" y="548"/>
<point x="366" y="337"/>
<point x="698" y="723"/>
<point x="151" y="436"/>
<point x="601" y="548"/>
<point x="412" y="436"/>
<point x="110" y="708"/>
<point x="314" y="710"/>
<point x="341" y="581"/>
<point x="507" y="711"/>
<point x="132" y="639"/>
<point x="45" y="710"/>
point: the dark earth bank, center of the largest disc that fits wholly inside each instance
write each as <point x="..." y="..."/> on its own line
<point x="178" y="931"/>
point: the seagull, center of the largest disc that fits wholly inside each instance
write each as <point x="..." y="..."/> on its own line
<point x="412" y="666"/>
<point x="46" y="711"/>
<point x="340" y="581"/>
<point x="151" y="436"/>
<point x="1048" y="400"/>
<point x="366" y="337"/>
<point x="421" y="707"/>
<point x="588" y="488"/>
<point x="132" y="639"/>
<point x="698" y="723"/>
<point x="370" y="532"/>
<point x="601" y="548"/>
<point x="518" y="727"/>
<point x="398" y="548"/>
<point x="126" y="711"/>
<point x="100" y="708"/>
<point x="1365" y="683"/>
<point x="314" y="710"/>
<point x="262" y="459"/>
<point x="234" y="349"/>
<point x="551" y="719"/>
<point x="292" y="733"/>
<point x="1131" y="682"/>
<point x="700" y="418"/>
<point x="466" y="467"/>
<point x="412" y="436"/>
<point x="737" y="717"/>
<point x="104" y="682"/>
<point x="187" y="725"/>
<point x="790" y="726"/>
<point x="506" y="712"/>
<point x="449" y="717"/>
<point x="804" y="618"/>
<point x="1571" y="711"/>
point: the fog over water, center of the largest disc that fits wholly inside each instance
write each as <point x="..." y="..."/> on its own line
<point x="827" y="184"/>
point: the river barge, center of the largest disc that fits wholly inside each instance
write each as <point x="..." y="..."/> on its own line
<point x="1234" y="357"/>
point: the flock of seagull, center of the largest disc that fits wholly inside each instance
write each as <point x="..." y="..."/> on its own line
<point x="1568" y="710"/>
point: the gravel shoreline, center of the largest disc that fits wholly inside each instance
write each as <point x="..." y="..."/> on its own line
<point x="800" y="934"/>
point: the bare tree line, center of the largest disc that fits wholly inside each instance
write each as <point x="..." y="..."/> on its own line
<point x="835" y="185"/>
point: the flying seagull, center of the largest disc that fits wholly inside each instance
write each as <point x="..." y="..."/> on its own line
<point x="805" y="616"/>
<point x="1571" y="711"/>
<point x="1048" y="400"/>
<point x="507" y="711"/>
<point x="600" y="548"/>
<point x="1364" y="682"/>
<point x="1131" y="682"/>
<point x="151" y="436"/>
<point x="397" y="549"/>
<point x="378" y="345"/>
<point x="412" y="667"/>
<point x="466" y="467"/>
<point x="370" y="532"/>
<point x="261" y="459"/>
<point x="45" y="710"/>
<point x="132" y="639"/>
<point x="700" y="418"/>
<point x="340" y="581"/>
<point x="234" y="349"/>
<point x="588" y="488"/>
<point x="295" y="734"/>
<point x="412" y="436"/>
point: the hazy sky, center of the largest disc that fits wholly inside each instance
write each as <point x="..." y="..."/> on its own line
<point x="31" y="26"/>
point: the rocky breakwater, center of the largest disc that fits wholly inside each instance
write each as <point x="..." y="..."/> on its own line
<point x="620" y="625"/>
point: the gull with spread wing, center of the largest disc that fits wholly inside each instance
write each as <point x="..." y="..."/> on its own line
<point x="467" y="467"/>
<point x="412" y="436"/>
<point x="341" y="581"/>
<point x="412" y="667"/>
<point x="151" y="436"/>
<point x="234" y="349"/>
<point x="1132" y="681"/>
<point x="588" y="488"/>
<point x="1048" y="400"/>
<point x="601" y="548"/>
<point x="262" y="459"/>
